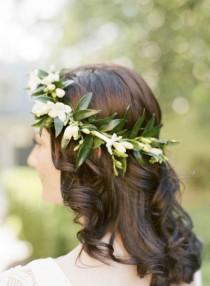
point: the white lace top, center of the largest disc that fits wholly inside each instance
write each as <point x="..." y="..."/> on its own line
<point x="39" y="272"/>
<point x="46" y="271"/>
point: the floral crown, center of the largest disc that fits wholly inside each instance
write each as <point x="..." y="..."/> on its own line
<point x="82" y="125"/>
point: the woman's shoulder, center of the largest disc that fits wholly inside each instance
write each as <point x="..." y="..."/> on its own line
<point x="38" y="272"/>
<point x="20" y="275"/>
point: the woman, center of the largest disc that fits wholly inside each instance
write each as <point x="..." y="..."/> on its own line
<point x="118" y="182"/>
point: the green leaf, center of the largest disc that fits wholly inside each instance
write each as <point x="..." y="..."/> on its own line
<point x="42" y="73"/>
<point x="39" y="120"/>
<point x="120" y="126"/>
<point x="124" y="132"/>
<point x="138" y="157"/>
<point x="97" y="142"/>
<point x="89" y="126"/>
<point x="102" y="121"/>
<point x="124" y="165"/>
<point x="84" y="101"/>
<point x="36" y="124"/>
<point x="85" y="113"/>
<point x="48" y="122"/>
<point x="84" y="150"/>
<point x="58" y="126"/>
<point x="124" y="119"/>
<point x="135" y="130"/>
<point x="42" y="125"/>
<point x="67" y="83"/>
<point x="152" y="132"/>
<point x="111" y="125"/>
<point x="149" y="126"/>
<point x="44" y="98"/>
<point x="39" y="90"/>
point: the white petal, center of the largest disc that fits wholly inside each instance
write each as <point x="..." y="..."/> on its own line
<point x="68" y="133"/>
<point x="156" y="151"/>
<point x="60" y="92"/>
<point x="127" y="145"/>
<point x="118" y="146"/>
<point x="40" y="108"/>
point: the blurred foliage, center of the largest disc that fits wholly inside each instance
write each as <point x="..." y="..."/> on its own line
<point x="200" y="218"/>
<point x="48" y="228"/>
<point x="166" y="41"/>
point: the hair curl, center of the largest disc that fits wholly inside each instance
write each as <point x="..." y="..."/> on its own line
<point x="142" y="207"/>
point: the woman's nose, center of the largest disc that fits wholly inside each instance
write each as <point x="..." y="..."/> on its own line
<point x="31" y="160"/>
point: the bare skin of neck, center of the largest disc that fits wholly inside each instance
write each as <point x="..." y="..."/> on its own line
<point x="87" y="268"/>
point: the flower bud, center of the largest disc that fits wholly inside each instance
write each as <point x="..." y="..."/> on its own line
<point x="85" y="130"/>
<point x="59" y="92"/>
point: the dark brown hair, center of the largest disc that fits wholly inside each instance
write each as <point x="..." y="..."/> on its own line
<point x="142" y="207"/>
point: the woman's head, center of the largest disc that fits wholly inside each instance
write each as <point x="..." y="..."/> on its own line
<point x="141" y="206"/>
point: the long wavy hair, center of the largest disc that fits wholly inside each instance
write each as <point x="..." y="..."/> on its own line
<point x="142" y="207"/>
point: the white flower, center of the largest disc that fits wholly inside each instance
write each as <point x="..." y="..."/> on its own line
<point x="127" y="144"/>
<point x="156" y="151"/>
<point x="85" y="130"/>
<point x="146" y="140"/>
<point x="113" y="142"/>
<point x="119" y="147"/>
<point x="59" y="92"/>
<point x="40" y="108"/>
<point x="71" y="130"/>
<point x="34" y="80"/>
<point x="59" y="109"/>
<point x="144" y="147"/>
<point x="50" y="87"/>
<point x="50" y="78"/>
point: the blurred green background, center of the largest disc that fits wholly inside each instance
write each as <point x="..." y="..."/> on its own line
<point x="167" y="42"/>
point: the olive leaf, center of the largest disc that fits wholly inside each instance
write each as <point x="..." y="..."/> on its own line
<point x="102" y="121"/>
<point x="123" y="121"/>
<point x="42" y="73"/>
<point x="37" y="123"/>
<point x="85" y="113"/>
<point x="44" y="98"/>
<point x="135" y="130"/>
<point x="67" y="83"/>
<point x="110" y="125"/>
<point x="39" y="90"/>
<point x="42" y="125"/>
<point x="48" y="122"/>
<point x="149" y="126"/>
<point x="97" y="142"/>
<point x="58" y="125"/>
<point x="152" y="132"/>
<point x="84" y="102"/>
<point x="124" y="133"/>
<point x="84" y="150"/>
<point x="39" y="120"/>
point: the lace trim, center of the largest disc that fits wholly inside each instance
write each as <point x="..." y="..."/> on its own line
<point x="18" y="276"/>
